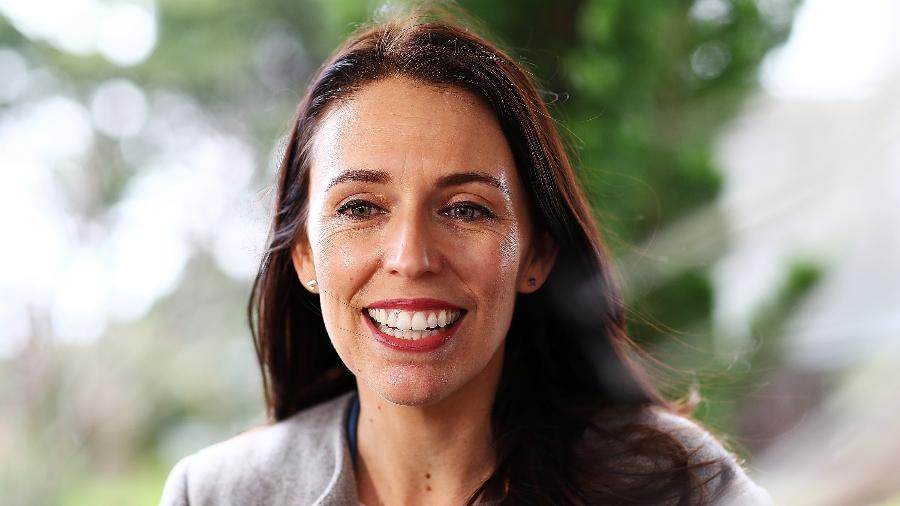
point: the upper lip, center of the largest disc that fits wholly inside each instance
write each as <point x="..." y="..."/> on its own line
<point x="412" y="304"/>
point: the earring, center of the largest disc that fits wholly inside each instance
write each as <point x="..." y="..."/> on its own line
<point x="532" y="282"/>
<point x="312" y="285"/>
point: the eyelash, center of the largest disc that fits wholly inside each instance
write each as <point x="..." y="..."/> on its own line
<point x="486" y="213"/>
<point x="347" y="210"/>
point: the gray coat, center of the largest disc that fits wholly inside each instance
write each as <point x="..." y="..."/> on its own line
<point x="305" y="460"/>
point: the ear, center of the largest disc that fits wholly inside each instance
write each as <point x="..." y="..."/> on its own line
<point x="301" y="257"/>
<point x="541" y="257"/>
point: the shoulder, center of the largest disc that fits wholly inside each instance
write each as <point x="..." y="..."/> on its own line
<point x="725" y="480"/>
<point x="657" y="444"/>
<point x="289" y="462"/>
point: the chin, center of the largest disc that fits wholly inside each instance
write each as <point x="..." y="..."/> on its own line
<point x="407" y="388"/>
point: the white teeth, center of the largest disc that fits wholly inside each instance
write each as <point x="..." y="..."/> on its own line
<point x="411" y="335"/>
<point x="404" y="321"/>
<point x="419" y="321"/>
<point x="412" y="324"/>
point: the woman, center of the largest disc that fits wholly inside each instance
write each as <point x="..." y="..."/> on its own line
<point x="435" y="317"/>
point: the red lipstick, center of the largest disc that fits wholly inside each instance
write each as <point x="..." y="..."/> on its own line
<point x="412" y="304"/>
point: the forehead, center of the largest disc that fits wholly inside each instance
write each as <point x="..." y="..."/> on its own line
<point x="396" y="124"/>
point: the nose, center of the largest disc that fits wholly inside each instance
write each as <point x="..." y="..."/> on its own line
<point x="411" y="251"/>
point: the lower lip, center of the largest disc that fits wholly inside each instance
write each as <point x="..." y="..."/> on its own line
<point x="430" y="343"/>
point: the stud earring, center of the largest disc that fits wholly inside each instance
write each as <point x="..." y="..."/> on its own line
<point x="312" y="285"/>
<point x="532" y="282"/>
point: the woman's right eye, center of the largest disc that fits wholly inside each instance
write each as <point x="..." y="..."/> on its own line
<point x="359" y="209"/>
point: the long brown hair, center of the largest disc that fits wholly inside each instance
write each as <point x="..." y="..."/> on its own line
<point x="568" y="369"/>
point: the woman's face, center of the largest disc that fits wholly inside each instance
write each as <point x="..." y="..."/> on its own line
<point x="419" y="237"/>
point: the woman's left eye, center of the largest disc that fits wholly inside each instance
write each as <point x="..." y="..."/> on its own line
<point x="467" y="211"/>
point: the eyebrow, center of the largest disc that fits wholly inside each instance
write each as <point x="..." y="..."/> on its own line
<point x="455" y="179"/>
<point x="364" y="176"/>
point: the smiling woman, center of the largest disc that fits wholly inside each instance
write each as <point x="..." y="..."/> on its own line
<point x="412" y="188"/>
<point x="435" y="316"/>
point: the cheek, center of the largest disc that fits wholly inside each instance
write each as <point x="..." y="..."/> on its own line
<point x="344" y="261"/>
<point x="507" y="253"/>
<point x="490" y="268"/>
<point x="510" y="252"/>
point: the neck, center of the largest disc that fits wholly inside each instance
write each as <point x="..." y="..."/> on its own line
<point x="433" y="454"/>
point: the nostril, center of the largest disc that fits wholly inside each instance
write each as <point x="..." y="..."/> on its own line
<point x="412" y="258"/>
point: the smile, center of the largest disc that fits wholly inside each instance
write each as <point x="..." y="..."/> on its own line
<point x="413" y="324"/>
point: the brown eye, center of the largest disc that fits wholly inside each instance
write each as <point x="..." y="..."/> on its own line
<point x="359" y="209"/>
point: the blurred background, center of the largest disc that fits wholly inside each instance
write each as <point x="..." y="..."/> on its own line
<point x="742" y="156"/>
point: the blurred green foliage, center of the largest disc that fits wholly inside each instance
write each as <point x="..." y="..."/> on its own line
<point x="640" y="89"/>
<point x="802" y="276"/>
